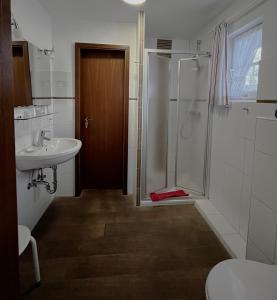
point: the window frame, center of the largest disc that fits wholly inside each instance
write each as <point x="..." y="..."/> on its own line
<point x="232" y="36"/>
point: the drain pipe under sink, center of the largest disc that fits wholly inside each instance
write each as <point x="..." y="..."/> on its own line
<point x="40" y="180"/>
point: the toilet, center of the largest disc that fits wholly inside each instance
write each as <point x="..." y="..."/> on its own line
<point x="239" y="279"/>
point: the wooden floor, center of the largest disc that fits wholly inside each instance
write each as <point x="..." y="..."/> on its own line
<point x="100" y="246"/>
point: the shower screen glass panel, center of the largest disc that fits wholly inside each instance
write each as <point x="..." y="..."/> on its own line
<point x="193" y="111"/>
<point x="157" y="122"/>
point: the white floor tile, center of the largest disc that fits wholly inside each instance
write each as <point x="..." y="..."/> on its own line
<point x="231" y="240"/>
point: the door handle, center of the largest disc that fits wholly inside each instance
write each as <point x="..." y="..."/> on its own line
<point x="87" y="122"/>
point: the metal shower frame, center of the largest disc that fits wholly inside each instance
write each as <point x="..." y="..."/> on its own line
<point x="145" y="105"/>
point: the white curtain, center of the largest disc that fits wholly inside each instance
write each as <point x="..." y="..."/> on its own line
<point x="245" y="50"/>
<point x="219" y="92"/>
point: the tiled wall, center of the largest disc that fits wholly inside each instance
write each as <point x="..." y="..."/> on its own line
<point x="31" y="203"/>
<point x="64" y="126"/>
<point x="25" y="130"/>
<point x="262" y="238"/>
<point x="234" y="129"/>
<point x="35" y="24"/>
<point x="232" y="160"/>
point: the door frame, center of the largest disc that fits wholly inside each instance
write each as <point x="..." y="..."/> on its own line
<point x="9" y="275"/>
<point x="103" y="47"/>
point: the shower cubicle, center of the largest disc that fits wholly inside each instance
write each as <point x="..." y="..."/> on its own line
<point x="175" y="123"/>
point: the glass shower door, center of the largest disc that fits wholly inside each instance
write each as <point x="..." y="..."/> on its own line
<point x="193" y="111"/>
<point x="157" y="123"/>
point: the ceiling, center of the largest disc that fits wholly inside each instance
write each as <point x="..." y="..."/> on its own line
<point x="164" y="18"/>
<point x="181" y="18"/>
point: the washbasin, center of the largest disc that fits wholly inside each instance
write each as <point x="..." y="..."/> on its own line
<point x="52" y="153"/>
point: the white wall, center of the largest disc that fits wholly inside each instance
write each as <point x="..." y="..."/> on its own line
<point x="262" y="238"/>
<point x="66" y="33"/>
<point x="34" y="22"/>
<point x="233" y="130"/>
<point x="232" y="159"/>
<point x="35" y="25"/>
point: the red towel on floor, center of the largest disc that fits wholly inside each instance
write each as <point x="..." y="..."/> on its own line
<point x="162" y="196"/>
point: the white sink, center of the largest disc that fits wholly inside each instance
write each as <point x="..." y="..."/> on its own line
<point x="53" y="152"/>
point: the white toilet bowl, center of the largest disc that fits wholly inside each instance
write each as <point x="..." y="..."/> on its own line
<point x="238" y="279"/>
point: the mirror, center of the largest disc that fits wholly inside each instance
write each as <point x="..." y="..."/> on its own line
<point x="32" y="76"/>
<point x="21" y="74"/>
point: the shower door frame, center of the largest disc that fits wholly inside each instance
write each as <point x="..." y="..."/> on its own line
<point x="205" y="191"/>
<point x="145" y="106"/>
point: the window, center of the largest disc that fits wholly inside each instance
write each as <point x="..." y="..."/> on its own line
<point x="246" y="48"/>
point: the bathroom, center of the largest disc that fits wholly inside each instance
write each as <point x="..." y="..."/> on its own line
<point x="192" y="116"/>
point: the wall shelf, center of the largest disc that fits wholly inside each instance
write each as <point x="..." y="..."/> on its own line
<point x="32" y="117"/>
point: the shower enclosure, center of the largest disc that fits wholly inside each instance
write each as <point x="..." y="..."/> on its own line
<point x="175" y="122"/>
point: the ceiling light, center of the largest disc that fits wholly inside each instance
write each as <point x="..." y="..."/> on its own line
<point x="134" y="2"/>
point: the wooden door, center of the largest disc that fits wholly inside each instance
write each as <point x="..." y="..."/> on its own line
<point x="8" y="211"/>
<point x="103" y="158"/>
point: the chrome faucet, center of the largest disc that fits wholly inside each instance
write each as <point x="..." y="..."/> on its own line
<point x="41" y="138"/>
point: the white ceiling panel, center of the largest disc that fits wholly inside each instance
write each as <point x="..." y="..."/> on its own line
<point x="165" y="18"/>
